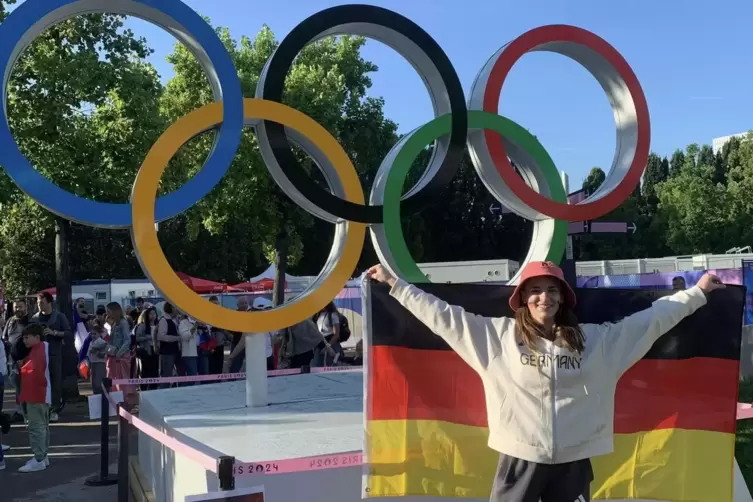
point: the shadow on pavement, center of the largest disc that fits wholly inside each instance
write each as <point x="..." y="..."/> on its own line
<point x="74" y="455"/>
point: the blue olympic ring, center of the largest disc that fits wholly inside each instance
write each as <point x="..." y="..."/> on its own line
<point x="198" y="34"/>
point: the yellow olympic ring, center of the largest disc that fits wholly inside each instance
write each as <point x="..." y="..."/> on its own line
<point x="154" y="262"/>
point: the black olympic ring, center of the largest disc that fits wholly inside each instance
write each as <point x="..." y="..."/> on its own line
<point x="280" y="63"/>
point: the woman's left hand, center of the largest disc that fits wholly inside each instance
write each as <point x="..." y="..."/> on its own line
<point x="710" y="282"/>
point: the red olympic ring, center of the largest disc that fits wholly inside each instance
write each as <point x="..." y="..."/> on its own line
<point x="532" y="40"/>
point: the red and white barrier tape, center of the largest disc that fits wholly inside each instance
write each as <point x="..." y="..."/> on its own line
<point x="319" y="463"/>
<point x="744" y="411"/>
<point x="227" y="376"/>
<point x="208" y="462"/>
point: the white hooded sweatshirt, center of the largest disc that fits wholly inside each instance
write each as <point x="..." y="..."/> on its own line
<point x="553" y="406"/>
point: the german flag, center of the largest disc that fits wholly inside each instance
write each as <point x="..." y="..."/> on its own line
<point x="675" y="411"/>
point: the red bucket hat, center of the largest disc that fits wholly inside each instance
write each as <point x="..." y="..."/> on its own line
<point x="541" y="269"/>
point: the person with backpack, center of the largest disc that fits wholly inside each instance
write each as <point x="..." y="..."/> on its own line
<point x="12" y="335"/>
<point x="258" y="304"/>
<point x="298" y="344"/>
<point x="333" y="328"/>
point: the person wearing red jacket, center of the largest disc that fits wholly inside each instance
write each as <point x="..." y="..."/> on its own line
<point x="36" y="394"/>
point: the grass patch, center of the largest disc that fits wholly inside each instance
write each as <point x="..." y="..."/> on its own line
<point x="744" y="441"/>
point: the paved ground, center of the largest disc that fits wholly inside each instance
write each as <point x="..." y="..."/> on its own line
<point x="74" y="455"/>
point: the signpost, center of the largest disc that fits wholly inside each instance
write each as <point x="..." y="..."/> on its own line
<point x="600" y="227"/>
<point x="575" y="227"/>
<point x="568" y="264"/>
<point x="498" y="209"/>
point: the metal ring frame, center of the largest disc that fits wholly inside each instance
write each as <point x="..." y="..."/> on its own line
<point x="494" y="143"/>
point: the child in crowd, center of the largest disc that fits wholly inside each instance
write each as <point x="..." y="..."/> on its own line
<point x="36" y="396"/>
<point x="97" y="355"/>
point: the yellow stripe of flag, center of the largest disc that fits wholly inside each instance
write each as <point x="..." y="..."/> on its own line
<point x="427" y="457"/>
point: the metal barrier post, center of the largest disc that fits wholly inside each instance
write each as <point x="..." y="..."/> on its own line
<point x="225" y="468"/>
<point x="104" y="478"/>
<point x="123" y="480"/>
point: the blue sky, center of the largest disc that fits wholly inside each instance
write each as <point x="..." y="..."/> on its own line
<point x="692" y="59"/>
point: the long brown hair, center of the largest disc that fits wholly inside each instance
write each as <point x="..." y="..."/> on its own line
<point x="114" y="310"/>
<point x="566" y="327"/>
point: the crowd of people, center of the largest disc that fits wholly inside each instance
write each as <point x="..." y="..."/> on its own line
<point x="138" y="342"/>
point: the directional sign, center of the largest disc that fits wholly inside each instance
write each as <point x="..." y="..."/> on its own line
<point x="577" y="227"/>
<point x="580" y="227"/>
<point x="600" y="227"/>
<point x="498" y="209"/>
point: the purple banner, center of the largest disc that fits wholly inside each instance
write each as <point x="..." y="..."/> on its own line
<point x="747" y="273"/>
<point x="576" y="197"/>
<point x="609" y="226"/>
<point x="658" y="280"/>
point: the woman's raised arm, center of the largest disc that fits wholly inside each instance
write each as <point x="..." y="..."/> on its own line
<point x="475" y="338"/>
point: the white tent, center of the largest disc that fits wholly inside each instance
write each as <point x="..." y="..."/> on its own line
<point x="270" y="274"/>
<point x="294" y="283"/>
<point x="356" y="282"/>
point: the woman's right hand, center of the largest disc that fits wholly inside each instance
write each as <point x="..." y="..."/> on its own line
<point x="380" y="274"/>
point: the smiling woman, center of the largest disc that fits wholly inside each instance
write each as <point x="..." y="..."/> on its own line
<point x="550" y="302"/>
<point x="548" y="382"/>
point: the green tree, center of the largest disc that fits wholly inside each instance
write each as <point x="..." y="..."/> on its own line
<point x="696" y="211"/>
<point x="328" y="82"/>
<point x="594" y="180"/>
<point x="82" y="107"/>
<point x="676" y="162"/>
<point x="26" y="232"/>
<point x="727" y="159"/>
<point x="657" y="170"/>
<point x="692" y="152"/>
<point x="739" y="225"/>
<point x="706" y="156"/>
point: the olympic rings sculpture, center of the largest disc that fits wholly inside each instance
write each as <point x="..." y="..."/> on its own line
<point x="495" y="143"/>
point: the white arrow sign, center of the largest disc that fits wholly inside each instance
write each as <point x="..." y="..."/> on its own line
<point x="632" y="227"/>
<point x="497" y="208"/>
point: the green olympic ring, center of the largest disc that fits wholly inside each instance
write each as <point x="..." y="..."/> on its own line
<point x="403" y="260"/>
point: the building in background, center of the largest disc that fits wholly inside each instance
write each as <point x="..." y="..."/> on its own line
<point x="96" y="292"/>
<point x="470" y="271"/>
<point x="718" y="143"/>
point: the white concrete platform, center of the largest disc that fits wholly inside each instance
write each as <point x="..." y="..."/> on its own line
<point x="308" y="415"/>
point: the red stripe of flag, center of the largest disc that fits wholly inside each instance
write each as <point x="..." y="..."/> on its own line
<point x="411" y="384"/>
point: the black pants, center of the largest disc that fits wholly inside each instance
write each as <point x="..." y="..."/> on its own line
<point x="300" y="360"/>
<point x="237" y="362"/>
<point x="522" y="481"/>
<point x="216" y="361"/>
<point x="168" y="366"/>
<point x="149" y="368"/>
